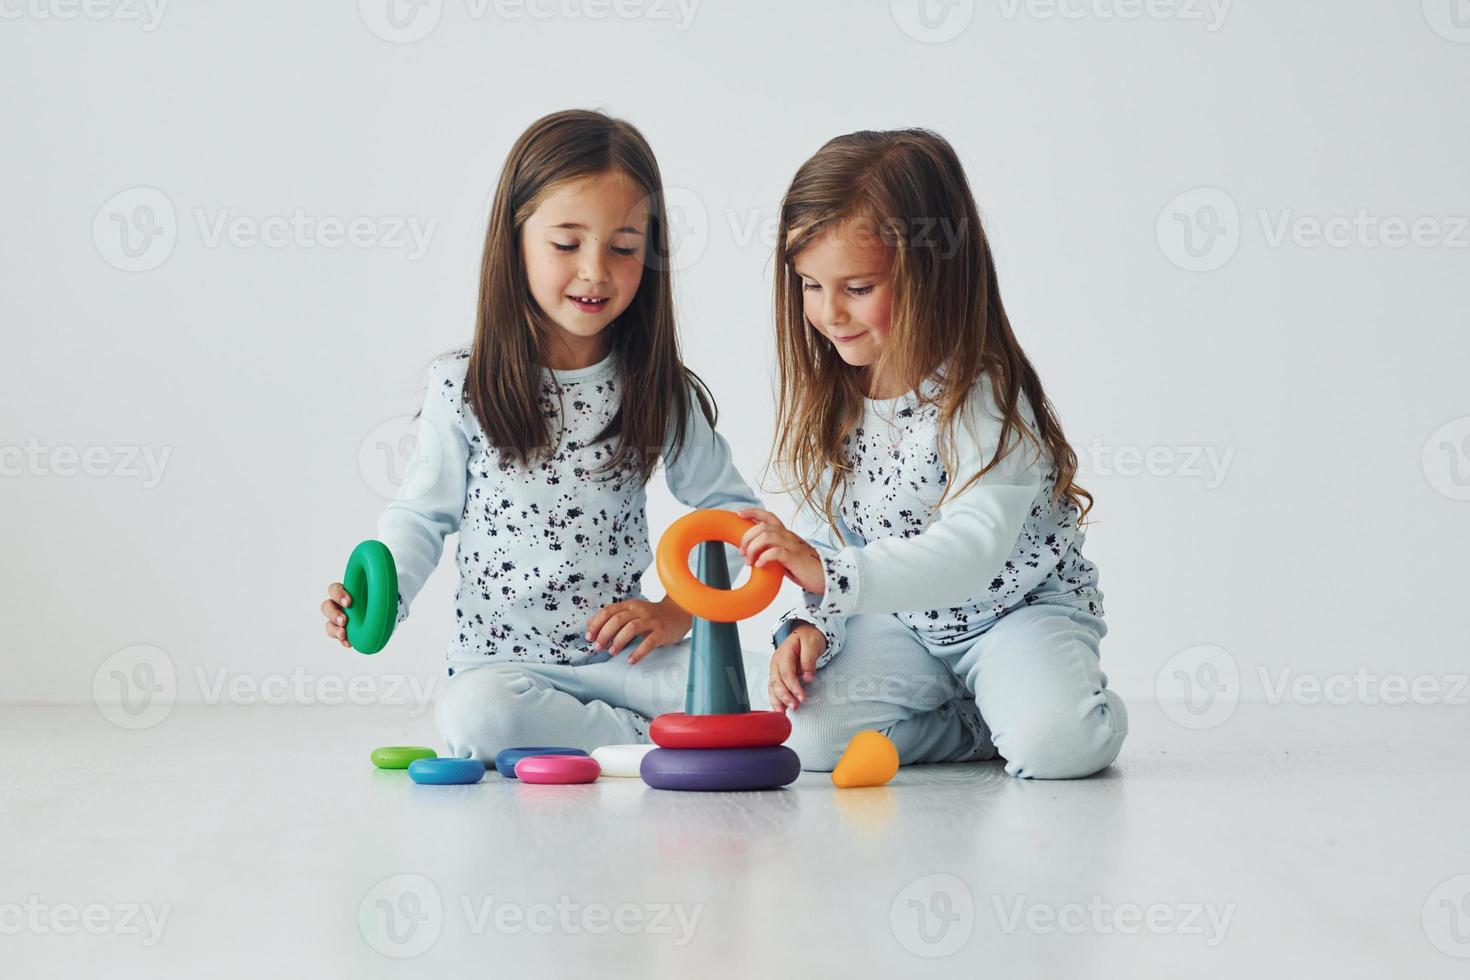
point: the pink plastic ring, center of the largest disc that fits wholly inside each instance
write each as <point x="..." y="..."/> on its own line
<point x="558" y="769"/>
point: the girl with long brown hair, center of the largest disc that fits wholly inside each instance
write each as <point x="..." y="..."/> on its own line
<point x="946" y="601"/>
<point x="536" y="443"/>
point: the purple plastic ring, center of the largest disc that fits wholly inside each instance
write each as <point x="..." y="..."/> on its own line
<point x="720" y="769"/>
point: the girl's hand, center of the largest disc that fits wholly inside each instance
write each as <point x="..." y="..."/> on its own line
<point x="795" y="660"/>
<point x="337" y="597"/>
<point x="659" y="623"/>
<point x="769" y="541"/>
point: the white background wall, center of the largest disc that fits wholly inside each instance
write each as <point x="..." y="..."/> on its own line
<point x="1335" y="538"/>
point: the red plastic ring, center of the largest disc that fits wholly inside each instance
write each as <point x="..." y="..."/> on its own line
<point x="750" y="730"/>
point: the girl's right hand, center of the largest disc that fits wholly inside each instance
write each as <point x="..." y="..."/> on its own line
<point x="795" y="660"/>
<point x="337" y="598"/>
<point x="767" y="540"/>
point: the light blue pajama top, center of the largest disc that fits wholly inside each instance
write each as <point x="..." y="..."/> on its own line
<point x="541" y="549"/>
<point x="950" y="573"/>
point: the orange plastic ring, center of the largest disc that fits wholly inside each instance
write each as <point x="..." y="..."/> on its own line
<point x="692" y="595"/>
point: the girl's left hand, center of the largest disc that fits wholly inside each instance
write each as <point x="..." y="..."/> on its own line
<point x="769" y="541"/>
<point x="659" y="623"/>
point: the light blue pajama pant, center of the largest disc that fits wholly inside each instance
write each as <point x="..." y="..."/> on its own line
<point x="482" y="710"/>
<point x="1028" y="689"/>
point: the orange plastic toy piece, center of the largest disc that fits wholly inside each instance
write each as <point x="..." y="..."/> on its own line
<point x="869" y="760"/>
<point x="692" y="595"/>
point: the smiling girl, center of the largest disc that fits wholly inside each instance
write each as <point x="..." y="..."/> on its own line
<point x="947" y="601"/>
<point x="537" y="443"/>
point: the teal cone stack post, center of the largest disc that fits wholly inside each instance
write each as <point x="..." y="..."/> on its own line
<point x="716" y="668"/>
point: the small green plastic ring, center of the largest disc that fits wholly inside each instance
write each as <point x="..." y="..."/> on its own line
<point x="399" y="756"/>
<point x="371" y="580"/>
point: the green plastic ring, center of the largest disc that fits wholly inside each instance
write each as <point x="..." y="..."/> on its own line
<point x="399" y="756"/>
<point x="371" y="580"/>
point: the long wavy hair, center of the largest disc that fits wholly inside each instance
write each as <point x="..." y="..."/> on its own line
<point x="503" y="381"/>
<point x="907" y="188"/>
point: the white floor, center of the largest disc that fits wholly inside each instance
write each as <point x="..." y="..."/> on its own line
<point x="247" y="841"/>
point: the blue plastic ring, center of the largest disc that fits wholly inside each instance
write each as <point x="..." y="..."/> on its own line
<point x="446" y="772"/>
<point x="506" y="759"/>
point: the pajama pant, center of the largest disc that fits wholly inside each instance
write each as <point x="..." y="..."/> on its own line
<point x="1027" y="689"/>
<point x="503" y="705"/>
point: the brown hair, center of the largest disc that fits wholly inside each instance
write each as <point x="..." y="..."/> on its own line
<point x="908" y="188"/>
<point x="503" y="376"/>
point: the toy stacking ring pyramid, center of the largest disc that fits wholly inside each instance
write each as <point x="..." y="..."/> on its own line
<point x="717" y="742"/>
